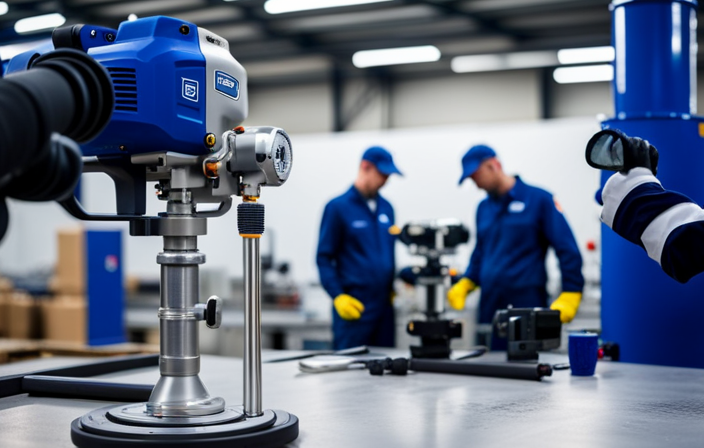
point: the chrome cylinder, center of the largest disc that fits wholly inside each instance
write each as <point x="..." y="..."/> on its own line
<point x="180" y="392"/>
<point x="178" y="325"/>
<point x="252" y="328"/>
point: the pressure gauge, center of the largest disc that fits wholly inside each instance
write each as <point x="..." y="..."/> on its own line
<point x="281" y="155"/>
<point x="261" y="156"/>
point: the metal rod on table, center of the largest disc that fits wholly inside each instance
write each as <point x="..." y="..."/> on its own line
<point x="252" y="328"/>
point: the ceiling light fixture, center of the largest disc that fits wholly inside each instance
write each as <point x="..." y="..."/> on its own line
<point x="284" y="6"/>
<point x="508" y="61"/>
<point x="395" y="56"/>
<point x="586" y="73"/>
<point x="586" y="55"/>
<point x="39" y="23"/>
<point x="4" y="7"/>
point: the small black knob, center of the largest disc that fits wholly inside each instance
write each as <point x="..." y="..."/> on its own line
<point x="375" y="368"/>
<point x="399" y="366"/>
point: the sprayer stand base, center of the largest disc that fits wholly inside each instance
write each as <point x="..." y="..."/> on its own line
<point x="98" y="429"/>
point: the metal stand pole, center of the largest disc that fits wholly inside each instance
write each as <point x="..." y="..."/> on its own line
<point x="252" y="328"/>
<point x="250" y="223"/>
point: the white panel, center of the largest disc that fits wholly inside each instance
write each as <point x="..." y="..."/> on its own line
<point x="546" y="154"/>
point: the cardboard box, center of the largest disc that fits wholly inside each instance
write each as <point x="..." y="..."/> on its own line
<point x="6" y="285"/>
<point x="64" y="318"/>
<point x="71" y="264"/>
<point x="5" y="290"/>
<point x="23" y="316"/>
<point x="4" y="318"/>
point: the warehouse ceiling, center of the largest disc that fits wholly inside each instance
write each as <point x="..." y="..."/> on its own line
<point x="310" y="45"/>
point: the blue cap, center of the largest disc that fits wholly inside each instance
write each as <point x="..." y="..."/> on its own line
<point x="382" y="159"/>
<point x="473" y="158"/>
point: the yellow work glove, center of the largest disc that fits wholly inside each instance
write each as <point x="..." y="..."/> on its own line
<point x="458" y="293"/>
<point x="567" y="304"/>
<point x="348" y="307"/>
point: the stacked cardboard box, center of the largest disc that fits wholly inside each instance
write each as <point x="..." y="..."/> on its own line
<point x="71" y="263"/>
<point x="64" y="317"/>
<point x="23" y="318"/>
<point x="5" y="290"/>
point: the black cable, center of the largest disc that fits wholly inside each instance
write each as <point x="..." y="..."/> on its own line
<point x="69" y="387"/>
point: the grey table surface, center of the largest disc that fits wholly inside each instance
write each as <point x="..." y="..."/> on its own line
<point x="623" y="405"/>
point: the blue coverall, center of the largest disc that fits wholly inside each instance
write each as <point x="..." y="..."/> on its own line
<point x="514" y="232"/>
<point x="356" y="257"/>
<point x="667" y="224"/>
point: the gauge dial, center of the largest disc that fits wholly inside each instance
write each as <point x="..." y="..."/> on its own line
<point x="281" y="155"/>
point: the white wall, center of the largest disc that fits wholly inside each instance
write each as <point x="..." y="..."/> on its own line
<point x="472" y="98"/>
<point x="547" y="154"/>
<point x="579" y="100"/>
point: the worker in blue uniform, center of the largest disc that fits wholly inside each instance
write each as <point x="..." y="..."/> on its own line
<point x="516" y="224"/>
<point x="668" y="225"/>
<point x="356" y="259"/>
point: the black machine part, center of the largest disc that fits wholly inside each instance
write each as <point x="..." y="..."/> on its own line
<point x="425" y="235"/>
<point x="62" y="92"/>
<point x="435" y="337"/>
<point x="528" y="330"/>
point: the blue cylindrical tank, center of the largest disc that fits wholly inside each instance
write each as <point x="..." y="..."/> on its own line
<point x="655" y="319"/>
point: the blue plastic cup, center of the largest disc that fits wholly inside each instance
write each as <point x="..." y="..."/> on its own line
<point x="583" y="351"/>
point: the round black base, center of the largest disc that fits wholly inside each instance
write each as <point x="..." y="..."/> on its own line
<point x="283" y="430"/>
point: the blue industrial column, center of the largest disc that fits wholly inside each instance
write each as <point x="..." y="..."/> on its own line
<point x="655" y="319"/>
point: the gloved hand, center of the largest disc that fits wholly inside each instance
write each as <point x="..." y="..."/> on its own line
<point x="613" y="150"/>
<point x="567" y="304"/>
<point x="639" y="152"/>
<point x="348" y="307"/>
<point x="458" y="293"/>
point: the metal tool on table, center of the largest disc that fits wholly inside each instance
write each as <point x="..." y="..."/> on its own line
<point x="360" y="350"/>
<point x="432" y="240"/>
<point x="178" y="93"/>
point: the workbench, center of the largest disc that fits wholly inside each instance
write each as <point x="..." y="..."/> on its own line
<point x="623" y="405"/>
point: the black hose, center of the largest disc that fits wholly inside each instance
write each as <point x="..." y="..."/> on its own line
<point x="496" y="370"/>
<point x="67" y="387"/>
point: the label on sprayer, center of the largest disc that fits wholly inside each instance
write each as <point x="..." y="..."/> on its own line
<point x="227" y="85"/>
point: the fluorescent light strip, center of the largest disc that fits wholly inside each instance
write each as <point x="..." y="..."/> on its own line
<point x="478" y="63"/>
<point x="39" y="23"/>
<point x="586" y="55"/>
<point x="508" y="61"/>
<point x="284" y="6"/>
<point x="395" y="56"/>
<point x="586" y="73"/>
<point x="4" y="8"/>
